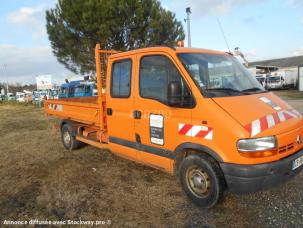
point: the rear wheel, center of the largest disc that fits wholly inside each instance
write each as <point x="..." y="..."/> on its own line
<point x="202" y="180"/>
<point x="69" y="141"/>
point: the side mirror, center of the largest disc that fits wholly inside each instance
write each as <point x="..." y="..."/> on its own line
<point x="174" y="94"/>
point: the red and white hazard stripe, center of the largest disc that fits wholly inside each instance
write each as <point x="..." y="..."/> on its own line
<point x="55" y="107"/>
<point x="196" y="131"/>
<point x="259" y="125"/>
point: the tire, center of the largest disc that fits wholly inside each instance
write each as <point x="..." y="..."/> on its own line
<point x="69" y="141"/>
<point x="202" y="180"/>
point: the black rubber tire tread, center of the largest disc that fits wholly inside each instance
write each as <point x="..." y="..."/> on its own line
<point x="214" y="172"/>
<point x="75" y="144"/>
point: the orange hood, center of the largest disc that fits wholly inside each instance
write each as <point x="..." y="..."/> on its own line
<point x="258" y="113"/>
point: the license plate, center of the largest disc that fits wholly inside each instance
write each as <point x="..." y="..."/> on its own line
<point x="297" y="163"/>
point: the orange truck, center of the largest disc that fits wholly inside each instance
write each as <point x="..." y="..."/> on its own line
<point x="195" y="113"/>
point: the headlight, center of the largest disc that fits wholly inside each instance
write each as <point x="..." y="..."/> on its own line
<point x="257" y="144"/>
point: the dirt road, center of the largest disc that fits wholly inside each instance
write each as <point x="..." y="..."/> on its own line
<point x="40" y="180"/>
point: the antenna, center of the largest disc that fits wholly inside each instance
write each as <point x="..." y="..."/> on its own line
<point x="222" y="31"/>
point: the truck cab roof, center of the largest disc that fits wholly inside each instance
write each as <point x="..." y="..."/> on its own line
<point x="176" y="50"/>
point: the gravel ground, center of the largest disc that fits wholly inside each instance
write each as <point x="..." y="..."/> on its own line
<point x="39" y="179"/>
<point x="294" y="98"/>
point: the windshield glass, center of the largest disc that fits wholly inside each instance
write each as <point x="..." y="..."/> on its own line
<point x="220" y="75"/>
<point x="54" y="92"/>
<point x="79" y="89"/>
<point x="274" y="79"/>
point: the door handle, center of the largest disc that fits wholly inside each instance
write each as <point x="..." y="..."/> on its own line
<point x="137" y="114"/>
<point x="138" y="138"/>
<point x="109" y="111"/>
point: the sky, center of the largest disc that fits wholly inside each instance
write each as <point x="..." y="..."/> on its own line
<point x="263" y="29"/>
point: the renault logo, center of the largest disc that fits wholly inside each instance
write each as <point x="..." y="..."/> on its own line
<point x="299" y="140"/>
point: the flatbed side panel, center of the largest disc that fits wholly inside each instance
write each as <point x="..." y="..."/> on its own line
<point x="90" y="100"/>
<point x="82" y="112"/>
<point x="75" y="102"/>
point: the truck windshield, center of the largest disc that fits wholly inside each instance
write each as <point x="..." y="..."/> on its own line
<point x="220" y="75"/>
<point x="274" y="79"/>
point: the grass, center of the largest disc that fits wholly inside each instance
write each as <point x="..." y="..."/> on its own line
<point x="40" y="179"/>
<point x="15" y="103"/>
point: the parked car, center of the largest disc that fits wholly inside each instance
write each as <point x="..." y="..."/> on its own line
<point x="20" y="97"/>
<point x="10" y="97"/>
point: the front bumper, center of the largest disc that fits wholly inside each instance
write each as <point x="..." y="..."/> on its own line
<point x="252" y="178"/>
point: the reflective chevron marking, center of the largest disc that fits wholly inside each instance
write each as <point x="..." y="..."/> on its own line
<point x="55" y="107"/>
<point x="196" y="131"/>
<point x="259" y="125"/>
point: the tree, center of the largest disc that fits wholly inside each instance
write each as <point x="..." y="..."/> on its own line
<point x="75" y="26"/>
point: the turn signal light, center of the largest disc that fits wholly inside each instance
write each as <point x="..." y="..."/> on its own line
<point x="259" y="154"/>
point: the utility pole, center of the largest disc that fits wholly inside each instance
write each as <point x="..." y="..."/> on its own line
<point x="188" y="12"/>
<point x="4" y="70"/>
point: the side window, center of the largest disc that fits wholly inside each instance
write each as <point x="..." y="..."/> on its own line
<point x="87" y="89"/>
<point x="156" y="72"/>
<point x="79" y="89"/>
<point x="71" y="90"/>
<point x="121" y="79"/>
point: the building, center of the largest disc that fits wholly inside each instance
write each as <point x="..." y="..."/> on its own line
<point x="289" y="64"/>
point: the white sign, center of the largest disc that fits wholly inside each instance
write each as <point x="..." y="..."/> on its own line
<point x="156" y="129"/>
<point x="44" y="82"/>
<point x="156" y="121"/>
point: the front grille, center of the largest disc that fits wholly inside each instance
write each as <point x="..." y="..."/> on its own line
<point x="286" y="148"/>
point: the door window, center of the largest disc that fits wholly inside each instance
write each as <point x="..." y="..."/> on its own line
<point x="156" y="72"/>
<point x="121" y="79"/>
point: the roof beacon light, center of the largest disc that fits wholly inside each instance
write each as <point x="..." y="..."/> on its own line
<point x="180" y="43"/>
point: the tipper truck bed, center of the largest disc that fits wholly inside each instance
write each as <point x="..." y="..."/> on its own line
<point x="83" y="110"/>
<point x="89" y="112"/>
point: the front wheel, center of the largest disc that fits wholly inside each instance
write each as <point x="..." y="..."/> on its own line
<point x="202" y="180"/>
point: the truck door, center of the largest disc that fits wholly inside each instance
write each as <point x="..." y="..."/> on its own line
<point x="156" y="122"/>
<point x="120" y="103"/>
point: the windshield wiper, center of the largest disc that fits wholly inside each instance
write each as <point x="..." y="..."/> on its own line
<point x="254" y="89"/>
<point x="225" y="90"/>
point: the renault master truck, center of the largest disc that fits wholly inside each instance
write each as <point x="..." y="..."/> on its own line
<point x="194" y="113"/>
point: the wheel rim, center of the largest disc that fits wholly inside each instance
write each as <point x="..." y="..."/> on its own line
<point x="198" y="181"/>
<point x="66" y="138"/>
